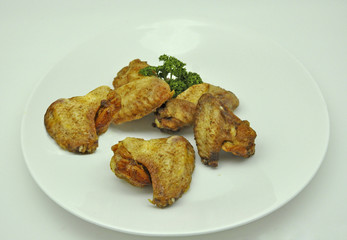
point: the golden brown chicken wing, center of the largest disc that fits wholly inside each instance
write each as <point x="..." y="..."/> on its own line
<point x="216" y="127"/>
<point x="166" y="163"/>
<point x="70" y="122"/>
<point x="138" y="99"/>
<point x="129" y="73"/>
<point x="179" y="112"/>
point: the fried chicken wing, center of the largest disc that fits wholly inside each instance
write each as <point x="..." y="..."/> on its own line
<point x="166" y="163"/>
<point x="138" y="99"/>
<point x="216" y="127"/>
<point x="70" y="122"/>
<point x="179" y="112"/>
<point x="129" y="73"/>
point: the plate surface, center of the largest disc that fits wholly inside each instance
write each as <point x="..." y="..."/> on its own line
<point x="277" y="95"/>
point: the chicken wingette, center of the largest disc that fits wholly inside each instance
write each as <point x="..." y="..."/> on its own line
<point x="216" y="127"/>
<point x="70" y="122"/>
<point x="138" y="99"/>
<point x="166" y="163"/>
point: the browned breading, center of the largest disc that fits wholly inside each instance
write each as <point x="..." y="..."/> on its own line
<point x="70" y="122"/>
<point x="216" y="127"/>
<point x="166" y="163"/>
<point x="129" y="73"/>
<point x="179" y="112"/>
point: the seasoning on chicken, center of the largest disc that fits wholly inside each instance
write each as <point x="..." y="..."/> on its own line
<point x="138" y="99"/>
<point x="216" y="127"/>
<point x="70" y="122"/>
<point x="174" y="115"/>
<point x="107" y="111"/>
<point x="166" y="163"/>
<point x="179" y="112"/>
<point x="129" y="73"/>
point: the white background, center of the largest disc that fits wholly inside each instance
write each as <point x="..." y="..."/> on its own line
<point x="35" y="35"/>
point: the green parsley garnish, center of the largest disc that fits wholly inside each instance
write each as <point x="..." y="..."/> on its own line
<point x="173" y="71"/>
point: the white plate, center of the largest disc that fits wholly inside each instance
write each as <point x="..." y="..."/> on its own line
<point x="277" y="95"/>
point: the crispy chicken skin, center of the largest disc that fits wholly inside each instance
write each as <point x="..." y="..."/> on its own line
<point x="108" y="109"/>
<point x="179" y="112"/>
<point x="129" y="73"/>
<point x="193" y="94"/>
<point x="138" y="99"/>
<point x="174" y="115"/>
<point x="70" y="122"/>
<point x="166" y="163"/>
<point x="216" y="127"/>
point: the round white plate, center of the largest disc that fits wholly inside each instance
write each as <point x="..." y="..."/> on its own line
<point x="277" y="96"/>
